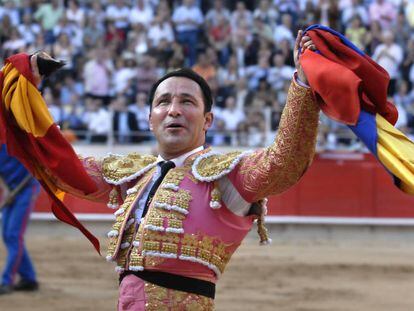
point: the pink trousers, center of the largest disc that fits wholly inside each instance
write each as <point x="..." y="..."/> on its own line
<point x="138" y="295"/>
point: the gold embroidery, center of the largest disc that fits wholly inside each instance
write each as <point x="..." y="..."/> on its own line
<point x="189" y="251"/>
<point x="175" y="223"/>
<point x="158" y="212"/>
<point x="113" y="198"/>
<point x="160" y="299"/>
<point x="157" y="222"/>
<point x="121" y="221"/>
<point x="192" y="247"/>
<point x="162" y="237"/>
<point x="169" y="248"/>
<point x="173" y="179"/>
<point x="170" y="200"/>
<point x="215" y="197"/>
<point x="136" y="260"/>
<point x="116" y="167"/>
<point x="183" y="198"/>
<point x="216" y="164"/>
<point x="274" y="169"/>
<point x="151" y="246"/>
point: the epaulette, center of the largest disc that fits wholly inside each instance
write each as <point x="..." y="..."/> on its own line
<point x="118" y="169"/>
<point x="212" y="165"/>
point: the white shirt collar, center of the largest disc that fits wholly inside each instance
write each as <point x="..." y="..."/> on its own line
<point x="179" y="161"/>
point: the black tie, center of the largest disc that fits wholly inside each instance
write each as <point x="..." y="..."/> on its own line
<point x="165" y="167"/>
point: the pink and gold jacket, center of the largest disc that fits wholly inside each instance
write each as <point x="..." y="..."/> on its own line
<point x="189" y="229"/>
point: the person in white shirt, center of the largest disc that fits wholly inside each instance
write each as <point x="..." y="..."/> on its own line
<point x="75" y="14"/>
<point x="142" y="111"/>
<point x="160" y="29"/>
<point x="119" y="14"/>
<point x="141" y="13"/>
<point x="283" y="31"/>
<point x="231" y="115"/>
<point x="218" y="11"/>
<point x="389" y="55"/>
<point x="279" y="73"/>
<point x="187" y="19"/>
<point x="97" y="119"/>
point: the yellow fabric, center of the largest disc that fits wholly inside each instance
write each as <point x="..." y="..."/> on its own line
<point x="25" y="102"/>
<point x="396" y="152"/>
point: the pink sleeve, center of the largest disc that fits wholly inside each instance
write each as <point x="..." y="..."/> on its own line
<point x="274" y="169"/>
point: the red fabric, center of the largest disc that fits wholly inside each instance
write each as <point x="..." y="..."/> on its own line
<point x="344" y="81"/>
<point x="51" y="152"/>
<point x="21" y="62"/>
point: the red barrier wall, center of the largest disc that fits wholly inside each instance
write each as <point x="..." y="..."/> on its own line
<point x="337" y="184"/>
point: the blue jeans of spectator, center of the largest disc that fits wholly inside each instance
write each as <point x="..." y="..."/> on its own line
<point x="14" y="221"/>
<point x="49" y="37"/>
<point x="189" y="39"/>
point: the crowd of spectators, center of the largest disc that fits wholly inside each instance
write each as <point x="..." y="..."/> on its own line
<point x="115" y="50"/>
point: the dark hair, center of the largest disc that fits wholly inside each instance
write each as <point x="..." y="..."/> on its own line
<point x="190" y="74"/>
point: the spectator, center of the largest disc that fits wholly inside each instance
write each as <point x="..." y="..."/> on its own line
<point x="160" y="30"/>
<point x="73" y="120"/>
<point x="6" y="28"/>
<point x="401" y="29"/>
<point x="389" y="55"/>
<point x="408" y="61"/>
<point x="283" y="31"/>
<point x="231" y="115"/>
<point x="355" y="9"/>
<point x="49" y="15"/>
<point x="357" y="33"/>
<point x="241" y="16"/>
<point x="93" y="32"/>
<point x="164" y="10"/>
<point x="139" y="36"/>
<point x="147" y="74"/>
<point x="290" y="7"/>
<point x="124" y="75"/>
<point x="124" y="122"/>
<point x="96" y="74"/>
<point x="141" y="13"/>
<point x="188" y="19"/>
<point x="15" y="44"/>
<point x="276" y="113"/>
<point x="204" y="67"/>
<point x="266" y="13"/>
<point x="374" y="37"/>
<point x="73" y="31"/>
<point x="63" y="50"/>
<point x="262" y="30"/>
<point x="384" y="12"/>
<point x="141" y="110"/>
<point x="219" y="36"/>
<point x="216" y="15"/>
<point x="97" y="119"/>
<point x="402" y="98"/>
<point x="256" y="128"/>
<point x="9" y="8"/>
<point x="327" y="13"/>
<point x="75" y="14"/>
<point x="53" y="104"/>
<point x="256" y="72"/>
<point x="28" y="29"/>
<point x="118" y="13"/>
<point x="279" y="72"/>
<point x="264" y="93"/>
<point x="229" y="75"/>
<point x="98" y="13"/>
